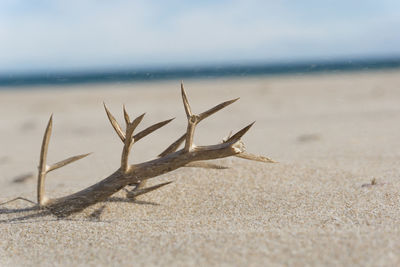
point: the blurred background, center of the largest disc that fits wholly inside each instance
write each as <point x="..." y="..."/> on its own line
<point x="60" y="42"/>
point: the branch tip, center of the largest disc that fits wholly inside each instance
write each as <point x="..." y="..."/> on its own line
<point x="151" y="129"/>
<point x="134" y="193"/>
<point x="114" y="124"/>
<point x="186" y="105"/>
<point x="126" y="116"/>
<point x="45" y="144"/>
<point x="173" y="147"/>
<point x="136" y="121"/>
<point x="239" y="134"/>
<point x="215" y="109"/>
<point x="66" y="162"/>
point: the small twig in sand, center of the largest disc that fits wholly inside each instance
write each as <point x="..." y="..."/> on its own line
<point x="373" y="183"/>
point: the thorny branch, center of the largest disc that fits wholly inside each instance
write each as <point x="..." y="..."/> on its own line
<point x="170" y="159"/>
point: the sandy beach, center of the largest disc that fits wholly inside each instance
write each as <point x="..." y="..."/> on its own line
<point x="332" y="200"/>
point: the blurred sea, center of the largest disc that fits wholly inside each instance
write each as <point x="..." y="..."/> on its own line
<point x="33" y="80"/>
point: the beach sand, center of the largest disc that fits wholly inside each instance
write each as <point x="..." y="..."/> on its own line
<point x="332" y="135"/>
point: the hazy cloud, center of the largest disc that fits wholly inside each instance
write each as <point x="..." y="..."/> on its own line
<point x="78" y="34"/>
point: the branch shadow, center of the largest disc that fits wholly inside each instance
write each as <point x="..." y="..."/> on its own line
<point x="43" y="212"/>
<point x="135" y="201"/>
<point x="24" y="218"/>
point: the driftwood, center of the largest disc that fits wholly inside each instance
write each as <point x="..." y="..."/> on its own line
<point x="136" y="175"/>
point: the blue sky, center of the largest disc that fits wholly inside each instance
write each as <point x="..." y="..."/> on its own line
<point x="46" y="35"/>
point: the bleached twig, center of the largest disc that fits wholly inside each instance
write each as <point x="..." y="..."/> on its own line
<point x="169" y="160"/>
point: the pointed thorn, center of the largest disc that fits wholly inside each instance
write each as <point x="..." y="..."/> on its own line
<point x="50" y="123"/>
<point x="135" y="193"/>
<point x="151" y="129"/>
<point x="213" y="110"/>
<point x="126" y="116"/>
<point x="174" y="146"/>
<point x="186" y="105"/>
<point x="114" y="124"/>
<point x="66" y="162"/>
<point x="239" y="134"/>
<point x="136" y="121"/>
<point x="45" y="145"/>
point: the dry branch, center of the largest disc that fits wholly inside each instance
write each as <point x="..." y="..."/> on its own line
<point x="169" y="160"/>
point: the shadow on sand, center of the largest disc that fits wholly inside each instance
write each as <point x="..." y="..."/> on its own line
<point x="37" y="212"/>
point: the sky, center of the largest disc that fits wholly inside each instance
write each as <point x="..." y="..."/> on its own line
<point x="51" y="35"/>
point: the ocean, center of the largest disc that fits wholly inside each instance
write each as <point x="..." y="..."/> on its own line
<point x="33" y="80"/>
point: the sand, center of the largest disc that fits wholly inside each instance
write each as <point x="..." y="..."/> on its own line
<point x="332" y="135"/>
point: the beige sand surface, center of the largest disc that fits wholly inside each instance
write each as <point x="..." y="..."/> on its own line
<point x="330" y="133"/>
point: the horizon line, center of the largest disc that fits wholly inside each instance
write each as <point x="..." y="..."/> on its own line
<point x="129" y="75"/>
